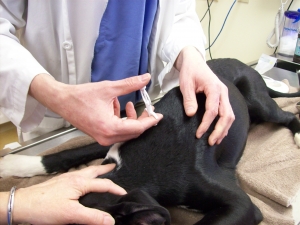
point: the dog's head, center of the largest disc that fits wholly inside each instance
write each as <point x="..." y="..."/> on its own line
<point x="132" y="213"/>
<point x="139" y="208"/>
<point x="135" y="208"/>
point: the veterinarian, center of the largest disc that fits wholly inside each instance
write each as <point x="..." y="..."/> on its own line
<point x="49" y="56"/>
<point x="56" y="200"/>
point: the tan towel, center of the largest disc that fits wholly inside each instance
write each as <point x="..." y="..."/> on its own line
<point x="268" y="171"/>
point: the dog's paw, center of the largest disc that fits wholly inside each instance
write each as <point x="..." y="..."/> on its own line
<point x="297" y="139"/>
<point x="21" y="166"/>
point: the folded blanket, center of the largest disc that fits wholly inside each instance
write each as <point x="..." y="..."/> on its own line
<point x="269" y="171"/>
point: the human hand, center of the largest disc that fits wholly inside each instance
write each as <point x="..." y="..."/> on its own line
<point x="195" y="77"/>
<point x="56" y="200"/>
<point x="94" y="108"/>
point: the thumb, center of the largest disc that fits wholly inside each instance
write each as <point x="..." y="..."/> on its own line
<point x="128" y="85"/>
<point x="94" y="216"/>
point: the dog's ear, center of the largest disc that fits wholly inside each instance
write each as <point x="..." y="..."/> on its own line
<point x="138" y="208"/>
<point x="132" y="213"/>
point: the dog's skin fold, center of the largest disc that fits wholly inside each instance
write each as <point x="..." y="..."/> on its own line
<point x="168" y="166"/>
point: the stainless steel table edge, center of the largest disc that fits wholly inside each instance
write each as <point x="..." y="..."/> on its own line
<point x="44" y="142"/>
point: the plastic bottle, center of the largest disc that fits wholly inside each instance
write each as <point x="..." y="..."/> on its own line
<point x="296" y="57"/>
<point x="289" y="35"/>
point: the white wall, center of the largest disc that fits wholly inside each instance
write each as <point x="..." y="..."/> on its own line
<point x="246" y="30"/>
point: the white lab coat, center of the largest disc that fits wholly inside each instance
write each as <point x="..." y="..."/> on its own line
<point x="57" y="37"/>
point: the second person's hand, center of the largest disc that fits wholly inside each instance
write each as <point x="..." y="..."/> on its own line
<point x="55" y="201"/>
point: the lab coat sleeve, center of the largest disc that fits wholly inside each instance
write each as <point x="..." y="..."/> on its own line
<point x="186" y="30"/>
<point x="17" y="70"/>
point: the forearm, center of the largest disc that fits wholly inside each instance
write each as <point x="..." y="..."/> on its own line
<point x="4" y="196"/>
<point x="188" y="54"/>
<point x="48" y="92"/>
<point x="20" y="210"/>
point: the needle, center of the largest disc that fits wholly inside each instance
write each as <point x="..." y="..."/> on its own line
<point x="147" y="102"/>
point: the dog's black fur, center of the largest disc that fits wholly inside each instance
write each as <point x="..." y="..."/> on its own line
<point x="168" y="166"/>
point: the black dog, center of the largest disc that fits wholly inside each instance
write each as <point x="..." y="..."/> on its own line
<point x="168" y="166"/>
